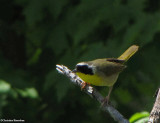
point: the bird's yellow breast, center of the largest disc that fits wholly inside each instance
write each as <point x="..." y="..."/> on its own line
<point x="98" y="80"/>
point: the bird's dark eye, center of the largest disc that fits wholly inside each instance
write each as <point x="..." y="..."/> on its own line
<point x="84" y="69"/>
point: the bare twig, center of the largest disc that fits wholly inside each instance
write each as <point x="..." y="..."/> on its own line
<point x="92" y="92"/>
<point x="155" y="113"/>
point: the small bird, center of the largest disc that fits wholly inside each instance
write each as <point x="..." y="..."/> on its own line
<point x="104" y="72"/>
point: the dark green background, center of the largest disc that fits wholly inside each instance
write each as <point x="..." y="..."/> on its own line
<point x="35" y="35"/>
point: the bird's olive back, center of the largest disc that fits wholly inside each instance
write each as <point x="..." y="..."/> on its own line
<point x="102" y="66"/>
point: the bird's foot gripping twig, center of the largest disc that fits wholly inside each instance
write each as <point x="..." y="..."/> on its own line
<point x="84" y="84"/>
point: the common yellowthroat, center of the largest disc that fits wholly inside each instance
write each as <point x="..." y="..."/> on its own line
<point x="104" y="72"/>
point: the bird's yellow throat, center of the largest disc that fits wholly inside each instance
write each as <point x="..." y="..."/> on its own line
<point x="98" y="80"/>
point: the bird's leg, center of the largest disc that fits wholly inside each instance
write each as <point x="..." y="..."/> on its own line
<point x="109" y="93"/>
<point x="106" y="100"/>
<point x="84" y="84"/>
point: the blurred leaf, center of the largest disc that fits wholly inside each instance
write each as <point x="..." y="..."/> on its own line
<point x="56" y="7"/>
<point x="58" y="82"/>
<point x="4" y="87"/>
<point x="123" y="95"/>
<point x="34" y="12"/>
<point x="51" y="79"/>
<point x="35" y="57"/>
<point x="57" y="39"/>
<point x="28" y="93"/>
<point x="143" y="120"/>
<point x="138" y="117"/>
<point x="62" y="88"/>
<point x="32" y="92"/>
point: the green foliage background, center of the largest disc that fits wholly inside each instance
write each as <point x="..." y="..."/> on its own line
<point x="35" y="35"/>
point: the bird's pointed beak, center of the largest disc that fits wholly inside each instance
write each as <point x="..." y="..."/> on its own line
<point x="74" y="70"/>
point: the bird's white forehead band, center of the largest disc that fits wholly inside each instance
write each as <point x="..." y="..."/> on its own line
<point x="81" y="64"/>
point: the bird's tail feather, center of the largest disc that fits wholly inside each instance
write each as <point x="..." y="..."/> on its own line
<point x="129" y="52"/>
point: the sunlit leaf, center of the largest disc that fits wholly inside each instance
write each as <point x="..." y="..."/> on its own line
<point x="28" y="92"/>
<point x="138" y="116"/>
<point x="4" y="86"/>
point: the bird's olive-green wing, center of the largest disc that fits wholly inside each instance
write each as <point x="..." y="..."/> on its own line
<point x="109" y="66"/>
